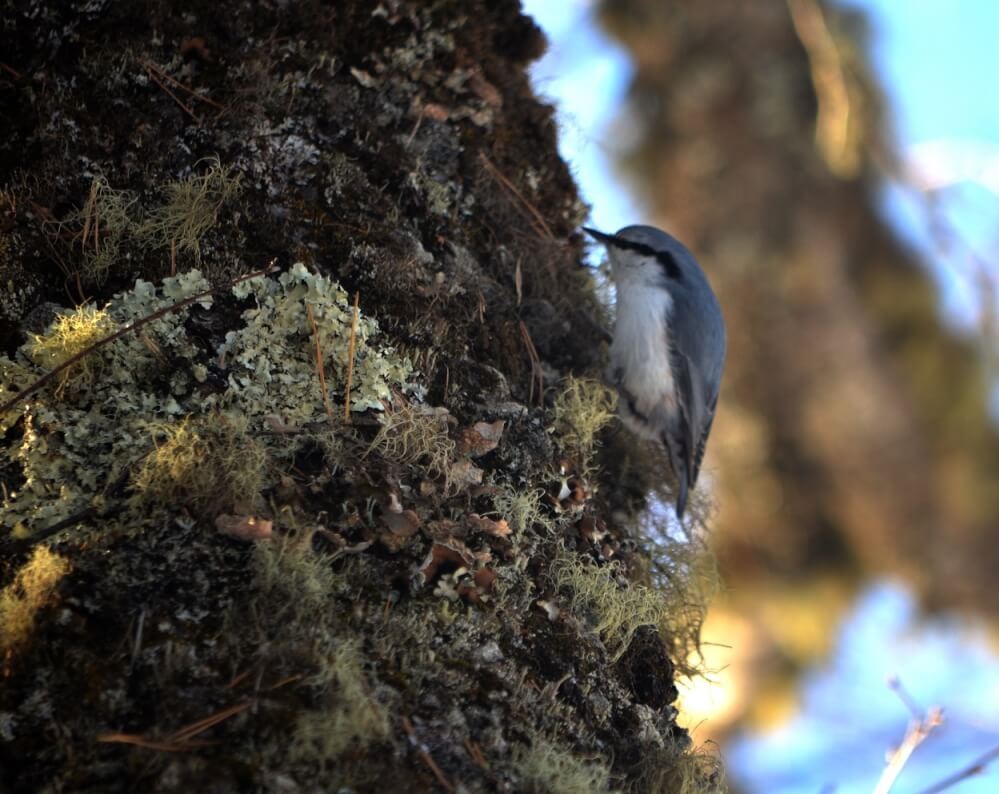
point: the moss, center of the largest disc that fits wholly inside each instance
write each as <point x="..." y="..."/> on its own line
<point x="32" y="589"/>
<point x="545" y="767"/>
<point x="582" y="409"/>
<point x="171" y="623"/>
<point x="191" y="209"/>
<point x="210" y="464"/>
<point x="69" y="335"/>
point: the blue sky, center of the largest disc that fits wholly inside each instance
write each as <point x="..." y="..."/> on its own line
<point x="938" y="62"/>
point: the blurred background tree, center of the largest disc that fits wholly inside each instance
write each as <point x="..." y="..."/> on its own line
<point x="854" y="436"/>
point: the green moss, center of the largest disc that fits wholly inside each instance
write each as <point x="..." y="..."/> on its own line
<point x="545" y="767"/>
<point x="31" y="589"/>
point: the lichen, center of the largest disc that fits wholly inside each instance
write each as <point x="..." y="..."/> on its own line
<point x="208" y="464"/>
<point x="582" y="409"/>
<point x="294" y="582"/>
<point x="69" y="335"/>
<point x="31" y="589"/>
<point x="546" y="767"/>
<point x="102" y="226"/>
<point x="350" y="719"/>
<point x="677" y="770"/>
<point x="521" y="507"/>
<point x="616" y="609"/>
<point x="275" y="353"/>
<point x="411" y="433"/>
<point x="296" y="588"/>
<point x="190" y="210"/>
<point x="370" y="165"/>
<point x="73" y="449"/>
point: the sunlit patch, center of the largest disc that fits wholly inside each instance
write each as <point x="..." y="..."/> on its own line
<point x="31" y="590"/>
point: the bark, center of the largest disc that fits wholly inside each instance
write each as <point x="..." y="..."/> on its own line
<point x="211" y="578"/>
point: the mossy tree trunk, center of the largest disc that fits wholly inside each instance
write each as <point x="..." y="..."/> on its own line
<point x="213" y="575"/>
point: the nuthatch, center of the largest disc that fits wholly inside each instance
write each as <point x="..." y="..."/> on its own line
<point x="669" y="346"/>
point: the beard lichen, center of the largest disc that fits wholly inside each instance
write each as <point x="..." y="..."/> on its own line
<point x="67" y="336"/>
<point x="547" y="767"/>
<point x="616" y="609"/>
<point x="349" y="718"/>
<point x="32" y="589"/>
<point x="102" y="226"/>
<point x="191" y="209"/>
<point x="208" y="464"/>
<point x="413" y="433"/>
<point x="582" y="409"/>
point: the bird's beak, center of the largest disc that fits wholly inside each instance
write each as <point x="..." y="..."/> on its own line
<point x="606" y="239"/>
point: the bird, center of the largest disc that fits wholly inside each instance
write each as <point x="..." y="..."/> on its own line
<point x="668" y="348"/>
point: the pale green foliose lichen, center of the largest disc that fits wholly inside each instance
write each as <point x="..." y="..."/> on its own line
<point x="74" y="447"/>
<point x="275" y="350"/>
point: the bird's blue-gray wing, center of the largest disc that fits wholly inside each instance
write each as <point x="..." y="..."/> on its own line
<point x="697" y="353"/>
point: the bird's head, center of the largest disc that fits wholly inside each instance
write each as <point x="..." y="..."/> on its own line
<point x="646" y="253"/>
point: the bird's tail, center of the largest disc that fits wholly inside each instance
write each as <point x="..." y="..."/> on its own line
<point x="681" y="492"/>
<point x="679" y="461"/>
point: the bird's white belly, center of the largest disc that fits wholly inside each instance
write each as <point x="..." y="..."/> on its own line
<point x="639" y="364"/>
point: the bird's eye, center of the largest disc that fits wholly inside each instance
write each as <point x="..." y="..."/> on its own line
<point x="669" y="263"/>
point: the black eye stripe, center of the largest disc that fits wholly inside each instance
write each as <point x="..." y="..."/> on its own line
<point x="662" y="257"/>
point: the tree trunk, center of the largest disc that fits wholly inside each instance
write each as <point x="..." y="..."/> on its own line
<point x="344" y="523"/>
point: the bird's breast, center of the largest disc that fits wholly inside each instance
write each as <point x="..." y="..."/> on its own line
<point x="640" y="361"/>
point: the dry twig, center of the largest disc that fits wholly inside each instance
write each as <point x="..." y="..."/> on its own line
<point x="536" y="218"/>
<point x="475" y="751"/>
<point x="976" y="767"/>
<point x="320" y="366"/>
<point x="921" y="725"/>
<point x="425" y="756"/>
<point x="537" y="373"/>
<point x="181" y="740"/>
<point x="832" y="127"/>
<point x="161" y="79"/>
